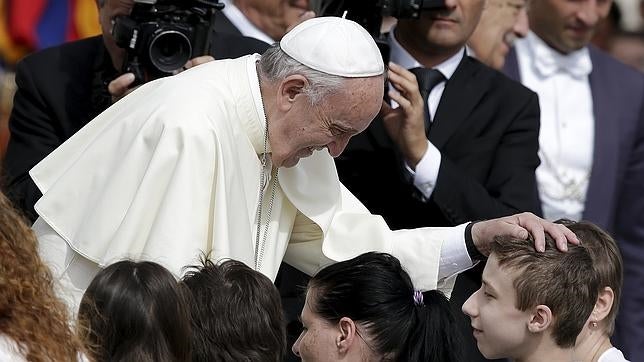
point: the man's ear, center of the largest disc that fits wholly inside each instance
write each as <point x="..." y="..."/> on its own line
<point x="603" y="305"/>
<point x="347" y="336"/>
<point x="289" y="89"/>
<point x="540" y="319"/>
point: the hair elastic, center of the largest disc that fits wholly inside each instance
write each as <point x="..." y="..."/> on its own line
<point x="418" y="298"/>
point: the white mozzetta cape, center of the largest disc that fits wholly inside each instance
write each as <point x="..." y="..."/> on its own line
<point x="173" y="169"/>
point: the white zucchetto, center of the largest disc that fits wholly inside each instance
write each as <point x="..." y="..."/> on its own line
<point x="334" y="46"/>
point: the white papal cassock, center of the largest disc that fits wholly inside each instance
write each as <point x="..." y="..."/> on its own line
<point x="173" y="170"/>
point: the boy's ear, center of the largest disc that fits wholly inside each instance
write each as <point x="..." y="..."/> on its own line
<point x="347" y="335"/>
<point x="541" y="319"/>
<point x="603" y="305"/>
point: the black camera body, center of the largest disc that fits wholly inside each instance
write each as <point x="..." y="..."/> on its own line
<point x="160" y="36"/>
<point x="369" y="14"/>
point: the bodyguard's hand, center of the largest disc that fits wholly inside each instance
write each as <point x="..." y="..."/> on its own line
<point x="405" y="124"/>
<point x="520" y="226"/>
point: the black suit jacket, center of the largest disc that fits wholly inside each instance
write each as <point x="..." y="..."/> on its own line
<point x="60" y="90"/>
<point x="486" y="127"/>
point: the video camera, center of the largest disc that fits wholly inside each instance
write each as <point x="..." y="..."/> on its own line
<point x="160" y="36"/>
<point x="369" y="14"/>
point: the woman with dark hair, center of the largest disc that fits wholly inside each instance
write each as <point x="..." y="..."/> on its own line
<point x="135" y="311"/>
<point x="34" y="323"/>
<point x="366" y="309"/>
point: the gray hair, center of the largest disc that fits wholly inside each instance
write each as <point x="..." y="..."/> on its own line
<point x="275" y="65"/>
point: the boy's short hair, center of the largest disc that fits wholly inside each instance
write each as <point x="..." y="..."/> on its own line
<point x="236" y="313"/>
<point x="607" y="261"/>
<point x="563" y="281"/>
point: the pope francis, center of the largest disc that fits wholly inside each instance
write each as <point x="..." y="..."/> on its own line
<point x="234" y="157"/>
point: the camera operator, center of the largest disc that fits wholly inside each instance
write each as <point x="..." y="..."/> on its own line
<point x="61" y="89"/>
<point x="464" y="150"/>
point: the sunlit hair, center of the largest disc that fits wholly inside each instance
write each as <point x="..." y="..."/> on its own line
<point x="236" y="314"/>
<point x="607" y="261"/>
<point x="377" y="293"/>
<point x="135" y="311"/>
<point x="30" y="313"/>
<point x="565" y="282"/>
<point x="276" y="65"/>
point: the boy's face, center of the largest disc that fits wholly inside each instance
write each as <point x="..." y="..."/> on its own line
<point x="500" y="329"/>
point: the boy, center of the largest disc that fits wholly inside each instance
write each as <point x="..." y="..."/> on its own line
<point x="532" y="305"/>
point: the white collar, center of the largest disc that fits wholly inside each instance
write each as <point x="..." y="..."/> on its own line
<point x="402" y="57"/>
<point x="241" y="22"/>
<point x="546" y="61"/>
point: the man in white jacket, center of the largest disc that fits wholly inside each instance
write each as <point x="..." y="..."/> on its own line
<point x="234" y="158"/>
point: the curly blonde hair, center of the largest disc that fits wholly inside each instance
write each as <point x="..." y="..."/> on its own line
<point x="30" y="313"/>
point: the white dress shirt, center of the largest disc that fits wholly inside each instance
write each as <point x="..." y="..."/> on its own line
<point x="454" y="256"/>
<point x="612" y="355"/>
<point x="426" y="172"/>
<point x="567" y="124"/>
<point x="241" y="22"/>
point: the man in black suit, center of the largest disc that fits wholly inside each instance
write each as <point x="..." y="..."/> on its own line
<point x="62" y="88"/>
<point x="468" y="151"/>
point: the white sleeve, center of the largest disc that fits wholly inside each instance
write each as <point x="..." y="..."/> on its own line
<point x="426" y="172"/>
<point x="355" y="231"/>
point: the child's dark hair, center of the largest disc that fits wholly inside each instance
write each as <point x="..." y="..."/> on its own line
<point x="135" y="311"/>
<point x="375" y="291"/>
<point x="236" y="313"/>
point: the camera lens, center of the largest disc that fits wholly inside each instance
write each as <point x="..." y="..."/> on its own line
<point x="169" y="50"/>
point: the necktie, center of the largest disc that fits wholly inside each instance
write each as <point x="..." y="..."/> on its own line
<point x="427" y="80"/>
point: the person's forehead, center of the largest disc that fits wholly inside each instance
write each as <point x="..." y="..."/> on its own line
<point x="501" y="278"/>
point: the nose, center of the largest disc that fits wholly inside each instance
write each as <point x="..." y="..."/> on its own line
<point x="336" y="147"/>
<point x="521" y="26"/>
<point x="450" y="4"/>
<point x="296" y="346"/>
<point x="302" y="4"/>
<point x="469" y="307"/>
<point x="588" y="12"/>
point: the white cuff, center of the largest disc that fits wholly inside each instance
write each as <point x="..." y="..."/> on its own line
<point x="454" y="256"/>
<point x="426" y="172"/>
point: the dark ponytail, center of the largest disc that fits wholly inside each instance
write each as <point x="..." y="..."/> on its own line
<point x="434" y="336"/>
<point x="374" y="290"/>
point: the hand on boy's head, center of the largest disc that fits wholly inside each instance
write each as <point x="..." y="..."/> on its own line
<point x="521" y="226"/>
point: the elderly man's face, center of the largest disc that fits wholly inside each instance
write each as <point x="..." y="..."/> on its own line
<point x="501" y="23"/>
<point x="441" y="30"/>
<point x="567" y="25"/>
<point x="330" y="124"/>
<point x="273" y="17"/>
<point x="106" y="14"/>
